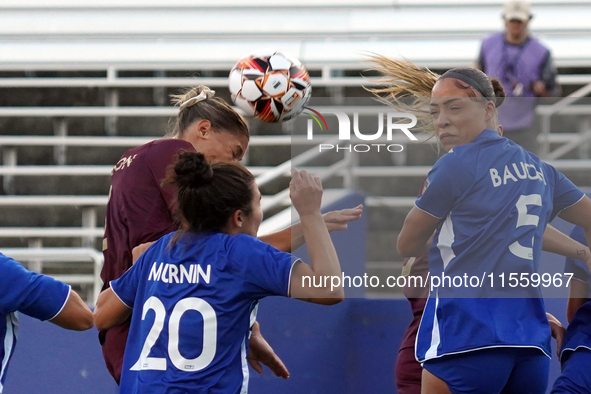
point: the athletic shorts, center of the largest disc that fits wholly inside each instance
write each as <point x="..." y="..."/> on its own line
<point x="408" y="372"/>
<point x="575" y="377"/>
<point x="492" y="371"/>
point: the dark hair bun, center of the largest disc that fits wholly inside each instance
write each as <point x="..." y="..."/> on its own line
<point x="499" y="92"/>
<point x="192" y="170"/>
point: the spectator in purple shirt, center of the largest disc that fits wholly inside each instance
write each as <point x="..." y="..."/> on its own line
<point x="524" y="67"/>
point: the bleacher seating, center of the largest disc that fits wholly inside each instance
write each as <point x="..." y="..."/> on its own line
<point x="198" y="35"/>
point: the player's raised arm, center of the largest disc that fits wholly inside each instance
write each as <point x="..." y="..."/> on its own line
<point x="306" y="196"/>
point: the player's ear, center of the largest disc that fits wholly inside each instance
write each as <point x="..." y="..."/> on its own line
<point x="238" y="218"/>
<point x="235" y="223"/>
<point x="490" y="110"/>
<point x="204" y="128"/>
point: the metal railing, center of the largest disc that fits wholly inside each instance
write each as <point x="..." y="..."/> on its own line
<point x="565" y="107"/>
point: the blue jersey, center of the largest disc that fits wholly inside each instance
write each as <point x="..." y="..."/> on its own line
<point x="36" y="295"/>
<point x="494" y="199"/>
<point x="578" y="332"/>
<point x="194" y="301"/>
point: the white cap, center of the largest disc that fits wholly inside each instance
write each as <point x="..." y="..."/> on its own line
<point x="517" y="9"/>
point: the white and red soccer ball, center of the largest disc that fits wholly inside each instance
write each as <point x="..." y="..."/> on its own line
<point x="270" y="85"/>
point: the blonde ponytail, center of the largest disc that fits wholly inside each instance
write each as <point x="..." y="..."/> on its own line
<point x="405" y="87"/>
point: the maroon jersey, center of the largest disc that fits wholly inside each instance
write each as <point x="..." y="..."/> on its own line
<point x="139" y="209"/>
<point x="408" y="370"/>
<point x="417" y="296"/>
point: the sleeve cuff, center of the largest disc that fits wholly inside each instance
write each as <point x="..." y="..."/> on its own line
<point x="63" y="305"/>
<point x="289" y="279"/>
<point x="428" y="213"/>
<point x="117" y="295"/>
<point x="579" y="200"/>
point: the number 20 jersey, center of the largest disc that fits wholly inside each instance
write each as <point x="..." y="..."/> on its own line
<point x="194" y="301"/>
<point x="494" y="199"/>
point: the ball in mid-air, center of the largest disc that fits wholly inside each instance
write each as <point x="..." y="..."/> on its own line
<point x="270" y="85"/>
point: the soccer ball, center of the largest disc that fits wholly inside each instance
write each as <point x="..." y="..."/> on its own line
<point x="270" y="85"/>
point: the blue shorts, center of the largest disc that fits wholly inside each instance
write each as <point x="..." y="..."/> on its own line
<point x="493" y="371"/>
<point x="575" y="376"/>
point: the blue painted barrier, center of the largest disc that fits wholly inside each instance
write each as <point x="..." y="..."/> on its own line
<point x="51" y="360"/>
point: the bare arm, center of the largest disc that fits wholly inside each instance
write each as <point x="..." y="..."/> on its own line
<point x="291" y="238"/>
<point x="580" y="215"/>
<point x="75" y="315"/>
<point x="110" y="311"/>
<point x="306" y="195"/>
<point x="557" y="242"/>
<point x="280" y="240"/>
<point x="417" y="233"/>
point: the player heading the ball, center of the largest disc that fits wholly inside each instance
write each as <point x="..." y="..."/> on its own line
<point x="194" y="293"/>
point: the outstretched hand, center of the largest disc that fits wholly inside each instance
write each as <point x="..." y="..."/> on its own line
<point x="306" y="195"/>
<point x="338" y="220"/>
<point x="260" y="352"/>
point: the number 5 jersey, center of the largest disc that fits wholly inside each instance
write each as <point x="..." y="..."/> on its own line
<point x="495" y="200"/>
